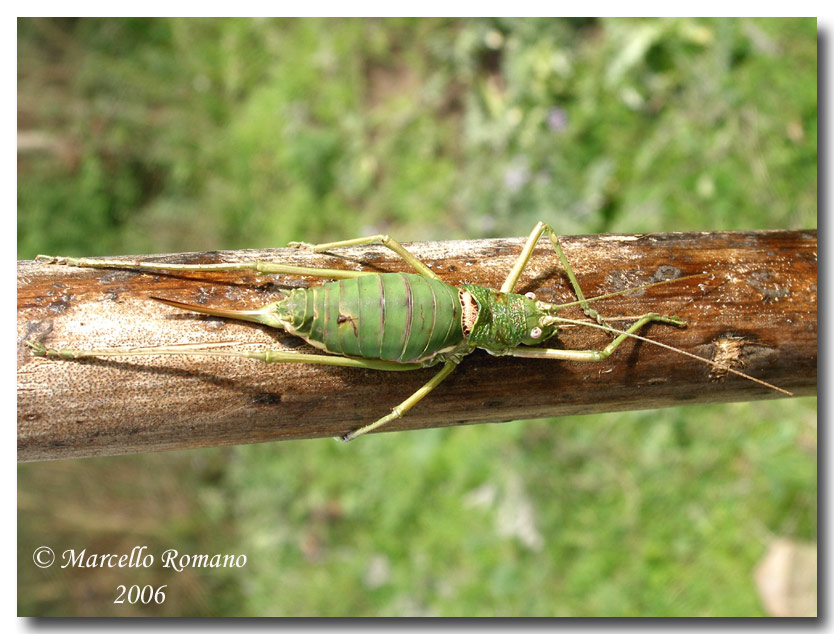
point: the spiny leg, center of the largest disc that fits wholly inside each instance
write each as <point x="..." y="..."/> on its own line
<point x="260" y="267"/>
<point x="524" y="259"/>
<point x="382" y="239"/>
<point x="407" y="404"/>
<point x="209" y="350"/>
<point x="593" y="355"/>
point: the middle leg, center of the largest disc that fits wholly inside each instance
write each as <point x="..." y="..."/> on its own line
<point x="383" y="239"/>
<point x="408" y="403"/>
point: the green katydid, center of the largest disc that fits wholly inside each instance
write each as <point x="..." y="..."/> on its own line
<point x="395" y="321"/>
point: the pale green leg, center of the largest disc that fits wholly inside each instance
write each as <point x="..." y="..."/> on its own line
<point x="524" y="259"/>
<point x="267" y="356"/>
<point x="260" y="267"/>
<point x="407" y="404"/>
<point x="208" y="350"/>
<point x="592" y="355"/>
<point x="382" y="239"/>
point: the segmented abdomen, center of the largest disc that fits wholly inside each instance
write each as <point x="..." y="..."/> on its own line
<point x="391" y="316"/>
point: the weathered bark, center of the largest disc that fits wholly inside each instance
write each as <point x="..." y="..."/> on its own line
<point x="755" y="307"/>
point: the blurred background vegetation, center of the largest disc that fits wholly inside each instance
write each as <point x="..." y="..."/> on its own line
<point x="168" y="135"/>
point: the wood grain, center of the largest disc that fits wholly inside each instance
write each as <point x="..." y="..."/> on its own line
<point x="755" y="305"/>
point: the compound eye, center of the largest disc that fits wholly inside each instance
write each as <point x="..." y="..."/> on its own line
<point x="530" y="295"/>
<point x="535" y="333"/>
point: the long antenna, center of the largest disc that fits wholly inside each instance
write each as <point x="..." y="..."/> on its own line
<point x="628" y="290"/>
<point x="673" y="349"/>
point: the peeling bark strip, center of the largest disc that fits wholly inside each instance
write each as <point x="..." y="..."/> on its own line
<point x="759" y="294"/>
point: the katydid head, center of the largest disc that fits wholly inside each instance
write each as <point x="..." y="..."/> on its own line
<point x="538" y="318"/>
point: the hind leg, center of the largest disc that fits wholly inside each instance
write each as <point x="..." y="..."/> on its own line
<point x="141" y="265"/>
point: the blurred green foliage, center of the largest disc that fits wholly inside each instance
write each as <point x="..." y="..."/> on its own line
<point x="250" y="133"/>
<point x="167" y="135"/>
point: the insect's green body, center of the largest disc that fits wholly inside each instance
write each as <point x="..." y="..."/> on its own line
<point x="404" y="317"/>
<point x="391" y="316"/>
<point x="391" y="321"/>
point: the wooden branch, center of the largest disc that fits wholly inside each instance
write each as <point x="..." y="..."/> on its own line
<point x="755" y="307"/>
